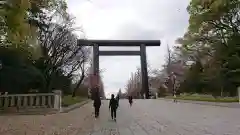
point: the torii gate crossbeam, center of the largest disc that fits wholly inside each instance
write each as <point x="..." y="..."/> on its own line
<point x="126" y="43"/>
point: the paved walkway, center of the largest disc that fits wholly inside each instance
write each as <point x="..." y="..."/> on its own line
<point x="72" y="123"/>
<point x="146" y="117"/>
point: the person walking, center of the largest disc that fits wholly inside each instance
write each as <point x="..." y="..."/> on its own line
<point x="130" y="100"/>
<point x="113" y="107"/>
<point x="97" y="103"/>
<point x="173" y="83"/>
<point x="117" y="98"/>
<point x="175" y="96"/>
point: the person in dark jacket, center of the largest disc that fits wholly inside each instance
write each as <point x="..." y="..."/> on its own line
<point x="118" y="98"/>
<point x="113" y="107"/>
<point x="130" y="100"/>
<point x="97" y="103"/>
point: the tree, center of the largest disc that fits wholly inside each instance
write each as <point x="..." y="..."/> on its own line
<point x="18" y="69"/>
<point x="193" y="82"/>
<point x="41" y="27"/>
<point x="88" y="81"/>
<point x="211" y="39"/>
<point x="19" y="18"/>
<point x="60" y="51"/>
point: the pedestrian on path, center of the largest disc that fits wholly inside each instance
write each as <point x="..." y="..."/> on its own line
<point x="97" y="103"/>
<point x="113" y="107"/>
<point x="172" y="79"/>
<point x="118" y="98"/>
<point x="175" y="96"/>
<point x="130" y="100"/>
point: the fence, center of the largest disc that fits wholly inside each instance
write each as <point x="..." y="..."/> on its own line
<point x="19" y="102"/>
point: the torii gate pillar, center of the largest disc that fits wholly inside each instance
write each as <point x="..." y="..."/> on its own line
<point x="144" y="71"/>
<point x="126" y="43"/>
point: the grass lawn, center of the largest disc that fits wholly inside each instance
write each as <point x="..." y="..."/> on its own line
<point x="69" y="100"/>
<point x="207" y="98"/>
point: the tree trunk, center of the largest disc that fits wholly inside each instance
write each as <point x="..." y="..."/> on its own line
<point x="78" y="84"/>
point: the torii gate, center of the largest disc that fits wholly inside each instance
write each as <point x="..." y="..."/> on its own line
<point x="126" y="43"/>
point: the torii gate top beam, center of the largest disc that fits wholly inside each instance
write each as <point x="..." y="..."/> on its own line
<point x="125" y="43"/>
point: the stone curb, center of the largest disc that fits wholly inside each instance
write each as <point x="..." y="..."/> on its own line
<point x="221" y="104"/>
<point x="74" y="106"/>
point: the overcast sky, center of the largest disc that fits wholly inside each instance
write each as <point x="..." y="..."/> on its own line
<point x="163" y="20"/>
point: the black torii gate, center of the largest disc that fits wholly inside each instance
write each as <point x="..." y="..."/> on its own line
<point x="126" y="43"/>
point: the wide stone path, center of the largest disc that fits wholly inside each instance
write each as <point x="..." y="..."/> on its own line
<point x="145" y="117"/>
<point x="72" y="123"/>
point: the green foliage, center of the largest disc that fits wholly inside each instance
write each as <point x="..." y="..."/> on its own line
<point x="193" y="79"/>
<point x="162" y="92"/>
<point x="20" y="18"/>
<point x="14" y="16"/>
<point x="82" y="91"/>
<point x="55" y="79"/>
<point x="69" y="100"/>
<point x="213" y="41"/>
<point x="60" y="81"/>
<point x="21" y="22"/>
<point x="17" y="74"/>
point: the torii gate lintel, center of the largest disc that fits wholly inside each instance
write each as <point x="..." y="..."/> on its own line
<point x="126" y="43"/>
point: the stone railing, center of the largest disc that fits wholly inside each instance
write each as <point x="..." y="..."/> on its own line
<point x="31" y="102"/>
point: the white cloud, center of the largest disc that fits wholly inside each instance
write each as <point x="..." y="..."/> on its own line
<point x="163" y="20"/>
